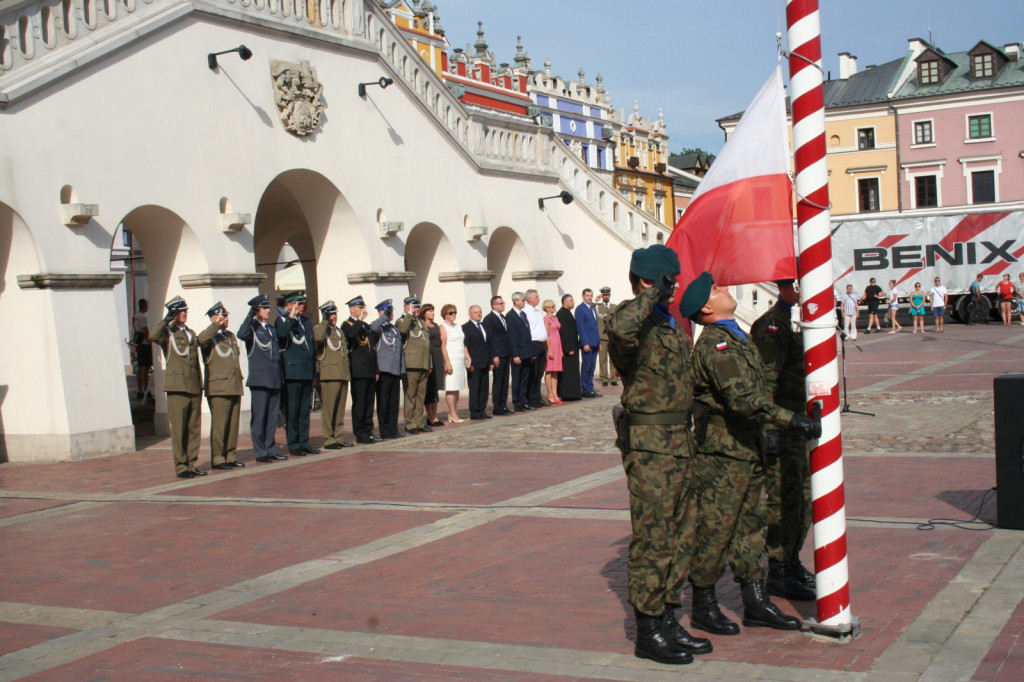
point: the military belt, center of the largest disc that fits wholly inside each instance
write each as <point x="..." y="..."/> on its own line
<point x="661" y="419"/>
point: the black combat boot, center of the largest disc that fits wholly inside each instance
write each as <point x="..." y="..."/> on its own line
<point x="782" y="582"/>
<point x="759" y="611"/>
<point x="705" y="614"/>
<point x="652" y="643"/>
<point x="801" y="573"/>
<point x="674" y="631"/>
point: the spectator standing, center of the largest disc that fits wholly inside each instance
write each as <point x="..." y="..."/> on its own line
<point x="569" y="381"/>
<point x="435" y="382"/>
<point x="894" y="307"/>
<point x="917" y="301"/>
<point x="554" y="355"/>
<point x="478" y="362"/>
<point x="540" y="348"/>
<point x="590" y="342"/>
<point x="974" y="301"/>
<point x="873" y="296"/>
<point x="937" y="296"/>
<point x="520" y="345"/>
<point x="143" y="349"/>
<point x="850" y="307"/>
<point x="497" y="331"/>
<point x="1020" y="296"/>
<point x="453" y="345"/>
<point x="1006" y="292"/>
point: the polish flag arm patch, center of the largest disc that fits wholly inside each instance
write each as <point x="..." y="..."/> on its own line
<point x="722" y="346"/>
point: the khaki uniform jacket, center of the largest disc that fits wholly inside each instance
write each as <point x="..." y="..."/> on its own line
<point x="220" y="355"/>
<point x="332" y="351"/>
<point x="782" y="351"/>
<point x="181" y="354"/>
<point x="416" y="342"/>
<point x="653" y="359"/>
<point x="604" y="311"/>
<point x="729" y="377"/>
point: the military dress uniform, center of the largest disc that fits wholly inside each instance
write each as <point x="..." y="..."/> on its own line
<point x="362" y="359"/>
<point x="332" y="351"/>
<point x="390" y="368"/>
<point x="295" y="334"/>
<point x="183" y="384"/>
<point x="789" y="477"/>
<point x="265" y="379"/>
<point x="604" y="369"/>
<point x="418" y="365"/>
<point x="223" y="386"/>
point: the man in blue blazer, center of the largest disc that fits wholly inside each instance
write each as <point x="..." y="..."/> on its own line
<point x="520" y="345"/>
<point x="590" y="342"/>
<point x="497" y="334"/>
<point x="265" y="378"/>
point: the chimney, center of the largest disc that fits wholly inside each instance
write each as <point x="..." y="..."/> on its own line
<point x="1012" y="51"/>
<point x="847" y="65"/>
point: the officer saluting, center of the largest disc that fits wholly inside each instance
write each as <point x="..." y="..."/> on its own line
<point x="390" y="368"/>
<point x="182" y="384"/>
<point x="416" y="342"/>
<point x="223" y="386"/>
<point x="265" y="378"/>
<point x="604" y="311"/>
<point x="295" y="334"/>
<point x="332" y="351"/>
<point x="362" y="360"/>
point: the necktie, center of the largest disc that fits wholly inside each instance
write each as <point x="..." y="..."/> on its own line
<point x="504" y="324"/>
<point x="482" y="332"/>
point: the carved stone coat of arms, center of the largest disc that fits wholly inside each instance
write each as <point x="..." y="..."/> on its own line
<point x="297" y="95"/>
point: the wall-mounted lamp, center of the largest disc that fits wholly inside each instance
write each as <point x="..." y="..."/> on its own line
<point x="383" y="82"/>
<point x="566" y="198"/>
<point x="243" y="52"/>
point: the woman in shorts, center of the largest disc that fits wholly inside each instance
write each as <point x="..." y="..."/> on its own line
<point x="1006" y="292"/>
<point x="917" y="307"/>
<point x="894" y="307"/>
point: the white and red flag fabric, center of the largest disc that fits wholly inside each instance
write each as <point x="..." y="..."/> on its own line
<point x="739" y="224"/>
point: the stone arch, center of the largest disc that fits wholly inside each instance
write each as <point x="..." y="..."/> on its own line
<point x="506" y="254"/>
<point x="428" y="253"/>
<point x="300" y="207"/>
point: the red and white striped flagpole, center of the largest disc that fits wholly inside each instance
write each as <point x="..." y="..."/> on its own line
<point x="822" y="368"/>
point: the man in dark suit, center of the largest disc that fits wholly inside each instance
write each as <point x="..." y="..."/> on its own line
<point x="478" y="346"/>
<point x="590" y="342"/>
<point x="265" y="378"/>
<point x="295" y="334"/>
<point x="569" y="382"/>
<point x="362" y="360"/>
<point x="520" y="347"/>
<point x="496" y="327"/>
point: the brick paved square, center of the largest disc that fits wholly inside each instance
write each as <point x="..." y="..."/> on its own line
<point x="412" y="476"/>
<point x="916" y="487"/>
<point x="1005" y="660"/>
<point x="134" y="557"/>
<point x="101" y="475"/>
<point x="608" y="496"/>
<point x="157" y="660"/>
<point x="11" y="506"/>
<point x="14" y="636"/>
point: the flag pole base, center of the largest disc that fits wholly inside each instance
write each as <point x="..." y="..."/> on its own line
<point x="843" y="633"/>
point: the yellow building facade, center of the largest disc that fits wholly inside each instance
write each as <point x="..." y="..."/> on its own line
<point x="641" y="160"/>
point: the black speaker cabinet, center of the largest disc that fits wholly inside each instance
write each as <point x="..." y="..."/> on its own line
<point x="1009" y="403"/>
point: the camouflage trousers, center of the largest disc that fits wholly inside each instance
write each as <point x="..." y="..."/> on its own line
<point x="730" y="519"/>
<point x="788" y="494"/>
<point x="663" y="514"/>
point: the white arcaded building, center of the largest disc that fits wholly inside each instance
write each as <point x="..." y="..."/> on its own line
<point x="111" y="117"/>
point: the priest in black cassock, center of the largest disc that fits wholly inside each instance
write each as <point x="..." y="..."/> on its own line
<point x="569" y="387"/>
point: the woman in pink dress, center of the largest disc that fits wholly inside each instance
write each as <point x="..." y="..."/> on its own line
<point x="554" y="364"/>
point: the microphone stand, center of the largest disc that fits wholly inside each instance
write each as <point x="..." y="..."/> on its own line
<point x="846" y="393"/>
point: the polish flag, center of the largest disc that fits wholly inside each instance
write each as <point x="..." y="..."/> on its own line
<point x="739" y="224"/>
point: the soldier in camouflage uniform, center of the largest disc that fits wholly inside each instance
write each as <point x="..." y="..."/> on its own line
<point x="729" y="379"/>
<point x="653" y="358"/>
<point x="789" y="476"/>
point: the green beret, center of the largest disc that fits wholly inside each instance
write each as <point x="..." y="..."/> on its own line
<point x="696" y="295"/>
<point x="654" y="261"/>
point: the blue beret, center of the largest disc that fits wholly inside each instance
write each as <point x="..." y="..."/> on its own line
<point x="696" y="295"/>
<point x="217" y="309"/>
<point x="654" y="261"/>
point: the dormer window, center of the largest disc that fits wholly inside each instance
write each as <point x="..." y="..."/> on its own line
<point x="928" y="72"/>
<point x="982" y="66"/>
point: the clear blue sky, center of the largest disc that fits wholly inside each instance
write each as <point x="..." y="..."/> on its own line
<point x="700" y="61"/>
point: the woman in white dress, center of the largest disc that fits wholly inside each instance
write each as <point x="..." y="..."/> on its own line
<point x="454" y="349"/>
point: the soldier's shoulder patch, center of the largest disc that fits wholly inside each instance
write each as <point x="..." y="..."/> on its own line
<point x="773" y="328"/>
<point x="722" y="345"/>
